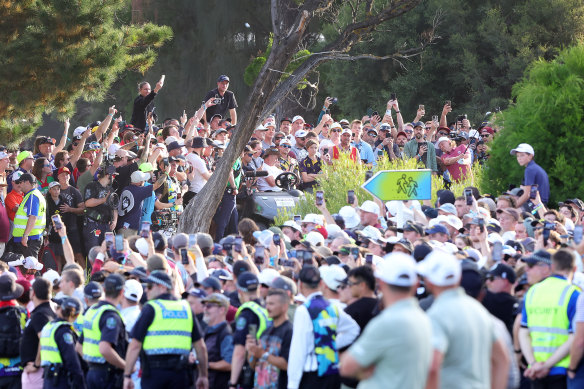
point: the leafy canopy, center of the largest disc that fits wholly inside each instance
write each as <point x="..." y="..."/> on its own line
<point x="55" y="52"/>
<point x="549" y="116"/>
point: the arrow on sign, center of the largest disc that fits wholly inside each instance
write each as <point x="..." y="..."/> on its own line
<point x="400" y="185"/>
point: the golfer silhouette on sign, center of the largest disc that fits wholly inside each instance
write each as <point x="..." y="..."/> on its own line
<point x="408" y="186"/>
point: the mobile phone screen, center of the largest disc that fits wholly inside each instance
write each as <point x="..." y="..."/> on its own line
<point x="497" y="251"/>
<point x="145" y="230"/>
<point x="355" y="251"/>
<point x="192" y="241"/>
<point x="578" y="234"/>
<point x="277" y="240"/>
<point x="533" y="192"/>
<point x="119" y="243"/>
<point x="57" y="221"/>
<point x="350" y="196"/>
<point x="259" y="255"/>
<point x="369" y="259"/>
<point x="184" y="256"/>
<point x="319" y="197"/>
<point x="297" y="218"/>
<point x="238" y="243"/>
<point x="109" y="239"/>
<point x="468" y="196"/>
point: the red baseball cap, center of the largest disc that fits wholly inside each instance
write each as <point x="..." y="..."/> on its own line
<point x="64" y="170"/>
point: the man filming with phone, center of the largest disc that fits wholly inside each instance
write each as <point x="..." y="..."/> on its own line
<point x="224" y="100"/>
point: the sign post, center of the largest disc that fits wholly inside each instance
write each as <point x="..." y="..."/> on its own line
<point x="400" y="185"/>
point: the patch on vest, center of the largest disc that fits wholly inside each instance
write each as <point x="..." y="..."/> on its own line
<point x="240" y="324"/>
<point x="68" y="338"/>
<point x="110" y="323"/>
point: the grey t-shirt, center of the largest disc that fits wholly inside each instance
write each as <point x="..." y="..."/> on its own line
<point x="463" y="331"/>
<point x="398" y="343"/>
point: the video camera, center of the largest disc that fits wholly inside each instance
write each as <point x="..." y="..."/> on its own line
<point x="256" y="173"/>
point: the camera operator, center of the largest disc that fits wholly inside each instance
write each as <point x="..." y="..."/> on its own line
<point x="224" y="101"/>
<point x="101" y="214"/>
<point x="270" y="165"/>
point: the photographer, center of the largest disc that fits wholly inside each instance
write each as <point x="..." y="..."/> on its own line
<point x="143" y="103"/>
<point x="101" y="214"/>
<point x="224" y="101"/>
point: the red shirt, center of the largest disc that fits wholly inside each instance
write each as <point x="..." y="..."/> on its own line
<point x="13" y="199"/>
<point x="456" y="170"/>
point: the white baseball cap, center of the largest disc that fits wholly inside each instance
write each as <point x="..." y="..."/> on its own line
<point x="314" y="238"/>
<point x="264" y="237"/>
<point x="332" y="276"/>
<point x="52" y="276"/>
<point x="32" y="263"/>
<point x="139" y="176"/>
<point x="298" y="117"/>
<point x="370" y="232"/>
<point x="300" y="134"/>
<point x="333" y="230"/>
<point x="267" y="276"/>
<point x="370" y="206"/>
<point x="350" y="216"/>
<point x="79" y="131"/>
<point x="133" y="290"/>
<point x="142" y="246"/>
<point x="440" y="268"/>
<point x="313" y="218"/>
<point x="270" y="123"/>
<point x="397" y="269"/>
<point x="442" y="139"/>
<point x="474" y="134"/>
<point x="292" y="224"/>
<point x="261" y="128"/>
<point x="346" y="131"/>
<point x="523" y="148"/>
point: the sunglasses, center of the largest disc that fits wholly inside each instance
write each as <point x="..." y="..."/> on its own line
<point x="286" y="146"/>
<point x="250" y="154"/>
<point x="279" y="138"/>
<point x="211" y="305"/>
<point x="408" y="131"/>
<point x="373" y="135"/>
<point x="336" y="130"/>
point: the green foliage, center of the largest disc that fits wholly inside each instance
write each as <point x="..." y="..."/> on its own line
<point x="345" y="175"/>
<point x="253" y="69"/>
<point x="548" y="115"/>
<point x="62" y="50"/>
<point x="482" y="49"/>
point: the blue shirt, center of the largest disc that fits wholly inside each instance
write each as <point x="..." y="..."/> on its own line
<point x="365" y="151"/>
<point x="535" y="175"/>
<point x="148" y="206"/>
<point x="32" y="208"/>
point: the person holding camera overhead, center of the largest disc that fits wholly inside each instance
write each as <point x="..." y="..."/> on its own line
<point x="420" y="149"/>
<point x="144" y="103"/>
<point x="101" y="214"/>
<point x="224" y="101"/>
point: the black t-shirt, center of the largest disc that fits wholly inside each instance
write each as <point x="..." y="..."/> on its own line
<point x="227" y="102"/>
<point x="29" y="344"/>
<point x="94" y="190"/>
<point x="147" y="317"/>
<point x="276" y="341"/>
<point x="123" y="178"/>
<point x="363" y="310"/>
<point x="503" y="306"/>
<point x="72" y="197"/>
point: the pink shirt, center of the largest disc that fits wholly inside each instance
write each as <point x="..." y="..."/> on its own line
<point x="456" y="170"/>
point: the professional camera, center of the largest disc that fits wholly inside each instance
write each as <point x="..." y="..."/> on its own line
<point x="217" y="100"/>
<point x="256" y="173"/>
<point x="334" y="100"/>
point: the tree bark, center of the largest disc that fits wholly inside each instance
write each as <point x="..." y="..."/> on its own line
<point x="268" y="91"/>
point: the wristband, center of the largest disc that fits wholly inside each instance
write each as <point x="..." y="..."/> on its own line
<point x="127" y="376"/>
<point x="571" y="370"/>
<point x="110" y="114"/>
<point x="536" y="209"/>
<point x="397" y="111"/>
<point x="517" y="351"/>
<point x="63" y="239"/>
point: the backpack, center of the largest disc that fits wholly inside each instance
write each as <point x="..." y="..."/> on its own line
<point x="10" y="332"/>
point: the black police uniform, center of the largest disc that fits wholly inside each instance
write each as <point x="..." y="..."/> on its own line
<point x="70" y="376"/>
<point x="113" y="330"/>
<point x="169" y="370"/>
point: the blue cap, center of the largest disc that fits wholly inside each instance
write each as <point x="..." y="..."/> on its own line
<point x="437" y="229"/>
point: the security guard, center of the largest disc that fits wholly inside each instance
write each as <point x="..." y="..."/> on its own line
<point x="165" y="331"/>
<point x="62" y="367"/>
<point x="250" y="313"/>
<point x="546" y="322"/>
<point x="30" y="219"/>
<point x="104" y="340"/>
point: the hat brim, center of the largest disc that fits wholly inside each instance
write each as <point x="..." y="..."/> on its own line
<point x="18" y="291"/>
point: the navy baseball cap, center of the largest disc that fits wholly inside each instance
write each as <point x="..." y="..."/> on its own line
<point x="540" y="256"/>
<point x="160" y="278"/>
<point x="114" y="282"/>
<point x="223" y="77"/>
<point x="195" y="292"/>
<point x="211" y="282"/>
<point x="247" y="282"/>
<point x="310" y="275"/>
<point x="93" y="290"/>
<point x="437" y="229"/>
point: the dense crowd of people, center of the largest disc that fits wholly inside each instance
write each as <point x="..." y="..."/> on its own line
<point x="99" y="290"/>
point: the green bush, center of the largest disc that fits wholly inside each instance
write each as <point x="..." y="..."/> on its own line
<point x="548" y="115"/>
<point x="344" y="175"/>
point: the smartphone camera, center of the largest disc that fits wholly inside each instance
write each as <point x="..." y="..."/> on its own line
<point x="238" y="243"/>
<point x="277" y="240"/>
<point x="319" y="197"/>
<point x="468" y="196"/>
<point x="57" y="222"/>
<point x="350" y="196"/>
<point x="145" y="230"/>
<point x="184" y="256"/>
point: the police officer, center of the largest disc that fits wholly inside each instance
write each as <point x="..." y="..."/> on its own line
<point x="30" y="219"/>
<point x="165" y="330"/>
<point x="104" y="337"/>
<point x="62" y="367"/>
<point x="546" y="322"/>
<point x="250" y="315"/>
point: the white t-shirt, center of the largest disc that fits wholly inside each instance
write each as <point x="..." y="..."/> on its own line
<point x="262" y="184"/>
<point x="199" y="168"/>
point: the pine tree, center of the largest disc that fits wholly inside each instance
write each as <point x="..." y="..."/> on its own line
<point x="53" y="52"/>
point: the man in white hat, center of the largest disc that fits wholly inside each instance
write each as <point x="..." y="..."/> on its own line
<point x="534" y="175"/>
<point x="461" y="327"/>
<point x="395" y="345"/>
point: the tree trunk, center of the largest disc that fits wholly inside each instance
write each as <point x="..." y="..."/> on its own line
<point x="268" y="91"/>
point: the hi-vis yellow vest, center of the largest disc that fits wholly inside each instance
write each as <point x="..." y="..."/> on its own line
<point x="50" y="354"/>
<point x="92" y="333"/>
<point x="546" y="304"/>
<point x="21" y="216"/>
<point x="260" y="312"/>
<point x="170" y="331"/>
